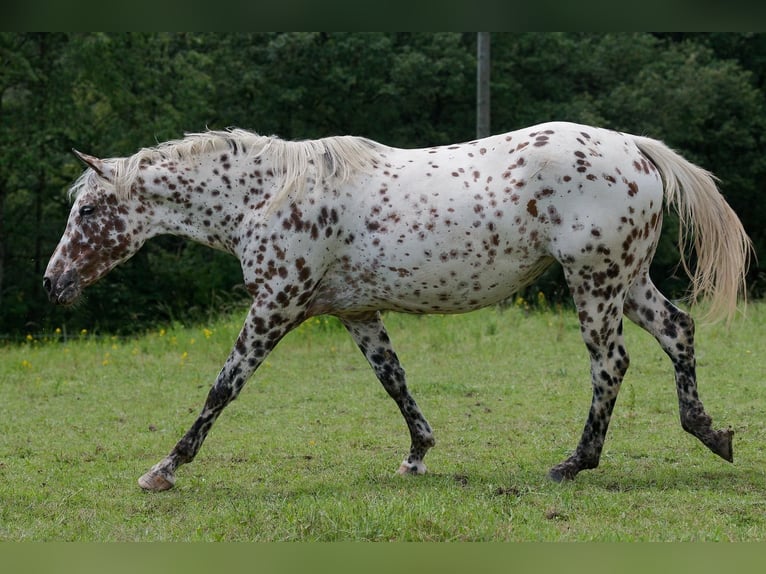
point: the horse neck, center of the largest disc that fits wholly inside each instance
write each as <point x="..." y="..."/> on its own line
<point x="196" y="203"/>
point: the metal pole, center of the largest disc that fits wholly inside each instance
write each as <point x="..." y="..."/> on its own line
<point x="482" y="84"/>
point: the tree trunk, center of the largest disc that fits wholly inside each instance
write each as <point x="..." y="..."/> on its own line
<point x="482" y="85"/>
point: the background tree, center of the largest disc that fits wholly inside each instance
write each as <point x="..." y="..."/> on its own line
<point x="33" y="85"/>
<point x="110" y="94"/>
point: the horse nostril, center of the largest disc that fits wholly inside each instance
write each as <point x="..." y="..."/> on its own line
<point x="47" y="285"/>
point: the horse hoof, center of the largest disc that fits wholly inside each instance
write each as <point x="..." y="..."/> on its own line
<point x="156" y="482"/>
<point x="718" y="441"/>
<point x="559" y="475"/>
<point x="410" y="468"/>
<point x="556" y="475"/>
<point x="563" y="472"/>
<point x="722" y="445"/>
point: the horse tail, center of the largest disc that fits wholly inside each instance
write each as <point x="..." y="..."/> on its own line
<point x="722" y="246"/>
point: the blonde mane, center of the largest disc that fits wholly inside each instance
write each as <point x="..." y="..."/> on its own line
<point x="327" y="160"/>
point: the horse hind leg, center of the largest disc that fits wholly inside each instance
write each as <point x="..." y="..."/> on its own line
<point x="674" y="330"/>
<point x="371" y="337"/>
<point x="600" y="314"/>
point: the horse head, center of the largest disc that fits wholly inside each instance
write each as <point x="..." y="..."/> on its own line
<point x="104" y="229"/>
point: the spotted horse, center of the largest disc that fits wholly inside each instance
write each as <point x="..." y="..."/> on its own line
<point x="349" y="227"/>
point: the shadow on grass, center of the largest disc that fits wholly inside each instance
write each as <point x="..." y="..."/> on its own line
<point x="250" y="480"/>
<point x="724" y="480"/>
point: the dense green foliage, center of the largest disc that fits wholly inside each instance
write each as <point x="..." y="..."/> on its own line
<point x="110" y="94"/>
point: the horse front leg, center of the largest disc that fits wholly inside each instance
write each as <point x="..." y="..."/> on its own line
<point x="372" y="339"/>
<point x="257" y="338"/>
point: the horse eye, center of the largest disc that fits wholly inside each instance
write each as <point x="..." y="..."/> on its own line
<point x="86" y="210"/>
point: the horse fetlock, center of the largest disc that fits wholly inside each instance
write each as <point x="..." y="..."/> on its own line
<point x="695" y="420"/>
<point x="424" y="443"/>
<point x="420" y="448"/>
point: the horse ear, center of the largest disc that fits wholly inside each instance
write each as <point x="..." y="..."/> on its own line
<point x="97" y="165"/>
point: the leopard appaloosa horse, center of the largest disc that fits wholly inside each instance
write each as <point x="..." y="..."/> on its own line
<point x="350" y="227"/>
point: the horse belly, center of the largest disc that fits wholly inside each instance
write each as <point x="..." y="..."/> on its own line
<point x="422" y="266"/>
<point x="438" y="288"/>
<point x="457" y="288"/>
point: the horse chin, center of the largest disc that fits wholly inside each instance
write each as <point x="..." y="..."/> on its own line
<point x="66" y="289"/>
<point x="68" y="296"/>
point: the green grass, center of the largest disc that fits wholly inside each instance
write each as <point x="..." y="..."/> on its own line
<point x="308" y="451"/>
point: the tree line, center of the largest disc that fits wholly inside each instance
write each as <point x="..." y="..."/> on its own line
<point x="110" y="94"/>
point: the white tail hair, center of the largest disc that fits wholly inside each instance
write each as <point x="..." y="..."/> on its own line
<point x="721" y="244"/>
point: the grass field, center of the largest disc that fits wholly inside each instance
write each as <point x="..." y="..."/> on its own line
<point x="308" y="451"/>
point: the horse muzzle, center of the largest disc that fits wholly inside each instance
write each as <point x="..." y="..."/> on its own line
<point x="62" y="289"/>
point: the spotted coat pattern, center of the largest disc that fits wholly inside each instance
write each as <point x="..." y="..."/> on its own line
<point x="445" y="229"/>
